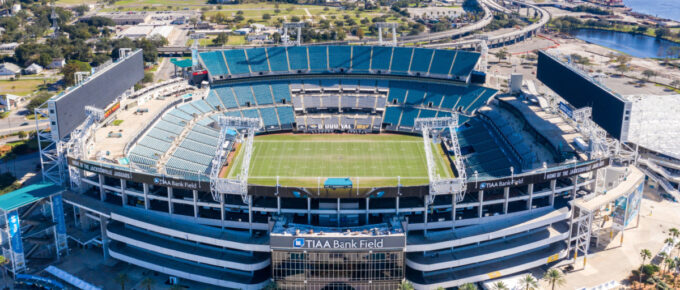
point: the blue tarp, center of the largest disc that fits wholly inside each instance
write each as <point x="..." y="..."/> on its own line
<point x="338" y="183"/>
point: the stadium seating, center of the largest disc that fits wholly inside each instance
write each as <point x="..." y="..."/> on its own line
<point x="401" y="60"/>
<point x="180" y="114"/>
<point x="257" y="58"/>
<point x="214" y="100"/>
<point x="381" y="58"/>
<point x="278" y="59"/>
<point x="199" y="147"/>
<point x="269" y="117"/>
<point x="339" y="57"/>
<point x="202" y="106"/>
<point x="297" y="57"/>
<point x="174" y="120"/>
<point x="168" y="127"/>
<point x="441" y="61"/>
<point x="263" y="94"/>
<point x="251" y="113"/>
<point x="286" y="115"/>
<point x="214" y="62"/>
<point x="416" y="95"/>
<point x="349" y="59"/>
<point x="236" y="61"/>
<point x="392" y="115"/>
<point x="464" y="62"/>
<point x="226" y="96"/>
<point x="421" y="60"/>
<point x="189" y="109"/>
<point x="424" y="113"/>
<point x="281" y="92"/>
<point x="233" y="114"/>
<point x="361" y="59"/>
<point x="244" y="95"/>
<point x="408" y="117"/>
<point x="398" y="91"/>
<point x="318" y="58"/>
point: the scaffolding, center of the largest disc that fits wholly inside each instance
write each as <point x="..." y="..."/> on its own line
<point x="439" y="185"/>
<point x="239" y="186"/>
<point x="285" y="38"/>
<point x="387" y="25"/>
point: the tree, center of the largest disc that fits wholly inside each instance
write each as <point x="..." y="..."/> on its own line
<point x="360" y="33"/>
<point x="669" y="263"/>
<point x="648" y="73"/>
<point x="37" y="100"/>
<point x="554" y="277"/>
<point x="266" y="16"/>
<point x="644" y="254"/>
<point x="528" y="282"/>
<point x="81" y="9"/>
<point x="122" y="279"/>
<point x="467" y="286"/>
<point x="662" y="32"/>
<point x="406" y="285"/>
<point x="71" y="68"/>
<point x="21" y="134"/>
<point x="499" y="286"/>
<point x="621" y="68"/>
<point x="146" y="283"/>
<point x="221" y="39"/>
<point x="501" y="54"/>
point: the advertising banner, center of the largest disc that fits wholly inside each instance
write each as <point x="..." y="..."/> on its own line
<point x="15" y="239"/>
<point x="58" y="213"/>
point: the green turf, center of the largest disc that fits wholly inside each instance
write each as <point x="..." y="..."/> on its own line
<point x="370" y="160"/>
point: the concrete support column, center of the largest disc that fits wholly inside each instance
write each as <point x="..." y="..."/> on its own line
<point x="380" y="40"/>
<point x="222" y="212"/>
<point x="425" y="212"/>
<point x="195" y="192"/>
<point x="453" y="212"/>
<point x="250" y="214"/>
<point x="278" y="205"/>
<point x="105" y="239"/>
<point x="102" y="194"/>
<point x="553" y="184"/>
<point x="480" y="195"/>
<point x="530" y="202"/>
<point x="309" y="211"/>
<point x="506" y="196"/>
<point x="123" y="194"/>
<point x="368" y="202"/>
<point x="397" y="207"/>
<point x="146" y="195"/>
<point x="170" y="207"/>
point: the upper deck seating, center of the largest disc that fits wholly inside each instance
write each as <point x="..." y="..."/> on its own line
<point x="281" y="92"/>
<point x="278" y="59"/>
<point x="381" y="58"/>
<point x="257" y="58"/>
<point x="401" y="60"/>
<point x="421" y="60"/>
<point x="297" y="58"/>
<point x="318" y="58"/>
<point x="441" y="62"/>
<point x="244" y="95"/>
<point x="237" y="62"/>
<point x="361" y="59"/>
<point x="214" y="62"/>
<point x="339" y="57"/>
<point x="464" y="62"/>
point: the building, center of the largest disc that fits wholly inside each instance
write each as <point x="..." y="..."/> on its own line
<point x="16" y="8"/>
<point x="8" y="102"/>
<point x="9" y="69"/>
<point x="125" y="18"/>
<point x="57" y="63"/>
<point x="480" y="194"/>
<point x="33" y="69"/>
<point x="8" y="47"/>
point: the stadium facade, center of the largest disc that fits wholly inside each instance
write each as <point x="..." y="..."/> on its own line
<point x="154" y="192"/>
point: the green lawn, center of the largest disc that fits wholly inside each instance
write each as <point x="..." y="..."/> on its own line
<point x="376" y="160"/>
<point x="21" y="87"/>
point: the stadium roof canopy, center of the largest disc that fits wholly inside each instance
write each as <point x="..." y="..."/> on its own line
<point x="27" y="195"/>
<point x="182" y="63"/>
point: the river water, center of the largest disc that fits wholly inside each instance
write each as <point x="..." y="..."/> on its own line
<point x="636" y="45"/>
<point x="669" y="9"/>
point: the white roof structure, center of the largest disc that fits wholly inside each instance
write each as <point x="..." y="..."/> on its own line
<point x="654" y="123"/>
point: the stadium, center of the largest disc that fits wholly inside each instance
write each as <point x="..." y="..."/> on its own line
<point x="327" y="167"/>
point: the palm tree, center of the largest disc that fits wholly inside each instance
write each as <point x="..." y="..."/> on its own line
<point x="499" y="286"/>
<point x="146" y="283"/>
<point x="468" y="286"/>
<point x="670" y="263"/>
<point x="122" y="278"/>
<point x="528" y="282"/>
<point x="554" y="277"/>
<point x="644" y="254"/>
<point x="674" y="232"/>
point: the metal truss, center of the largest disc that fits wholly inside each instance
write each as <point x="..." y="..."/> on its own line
<point x="51" y="150"/>
<point x="219" y="186"/>
<point x="439" y="185"/>
<point x="75" y="147"/>
<point x="580" y="229"/>
<point x="387" y="25"/>
<point x="286" y="38"/>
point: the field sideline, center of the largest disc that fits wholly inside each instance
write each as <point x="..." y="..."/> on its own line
<point x="376" y="160"/>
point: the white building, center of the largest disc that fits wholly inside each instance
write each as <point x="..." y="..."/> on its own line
<point x="8" y="102"/>
<point x="33" y="69"/>
<point x="56" y="63"/>
<point x="9" y="69"/>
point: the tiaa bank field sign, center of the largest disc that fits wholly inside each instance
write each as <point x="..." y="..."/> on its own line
<point x="338" y="243"/>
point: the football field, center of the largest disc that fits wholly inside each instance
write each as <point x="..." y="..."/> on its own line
<point x="370" y="160"/>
